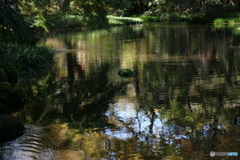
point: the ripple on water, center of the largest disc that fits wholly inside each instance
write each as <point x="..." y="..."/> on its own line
<point x="27" y="147"/>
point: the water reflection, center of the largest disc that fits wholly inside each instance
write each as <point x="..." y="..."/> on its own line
<point x="182" y="103"/>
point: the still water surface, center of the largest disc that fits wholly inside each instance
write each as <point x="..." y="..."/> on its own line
<point x="182" y="103"/>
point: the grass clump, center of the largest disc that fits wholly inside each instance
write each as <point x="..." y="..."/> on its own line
<point x="25" y="60"/>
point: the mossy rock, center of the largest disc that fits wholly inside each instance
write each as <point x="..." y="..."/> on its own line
<point x="10" y="127"/>
<point x="11" y="99"/>
<point x="126" y="73"/>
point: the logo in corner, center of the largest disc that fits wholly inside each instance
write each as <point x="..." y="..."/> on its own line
<point x="212" y="154"/>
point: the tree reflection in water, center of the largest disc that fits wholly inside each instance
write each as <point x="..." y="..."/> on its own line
<point x="182" y="103"/>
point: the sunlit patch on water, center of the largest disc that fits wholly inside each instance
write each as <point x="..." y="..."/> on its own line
<point x="131" y="121"/>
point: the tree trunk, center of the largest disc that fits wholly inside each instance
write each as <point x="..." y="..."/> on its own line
<point x="140" y="6"/>
<point x="65" y="5"/>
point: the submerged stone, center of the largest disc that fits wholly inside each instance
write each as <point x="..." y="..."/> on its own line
<point x="125" y="73"/>
<point x="10" y="127"/>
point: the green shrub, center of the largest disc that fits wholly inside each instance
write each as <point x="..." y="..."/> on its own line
<point x="150" y="18"/>
<point x="219" y="20"/>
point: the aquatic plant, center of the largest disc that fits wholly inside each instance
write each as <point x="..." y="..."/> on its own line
<point x="125" y="73"/>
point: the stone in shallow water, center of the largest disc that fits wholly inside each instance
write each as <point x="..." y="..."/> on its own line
<point x="125" y="73"/>
<point x="10" y="127"/>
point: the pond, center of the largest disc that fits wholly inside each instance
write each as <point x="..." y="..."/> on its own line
<point x="182" y="102"/>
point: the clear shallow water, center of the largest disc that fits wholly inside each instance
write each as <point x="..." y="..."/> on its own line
<point x="182" y="103"/>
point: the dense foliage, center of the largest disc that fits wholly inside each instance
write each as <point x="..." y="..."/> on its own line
<point x="93" y="13"/>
